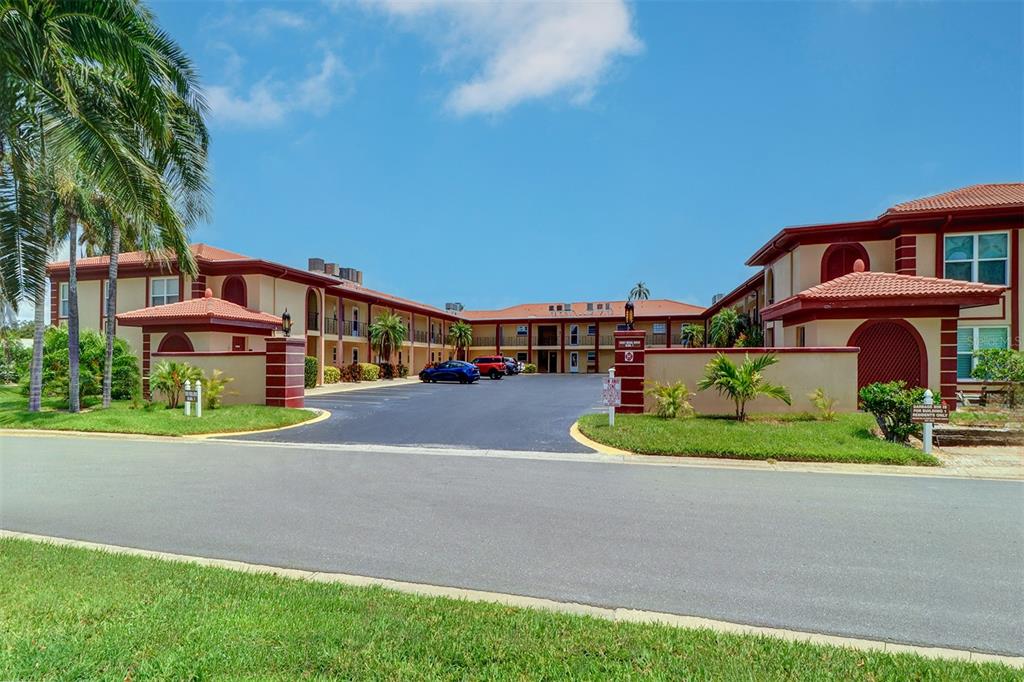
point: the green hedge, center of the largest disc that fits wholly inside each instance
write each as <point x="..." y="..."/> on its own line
<point x="371" y="372"/>
<point x="332" y="375"/>
<point x="311" y="366"/>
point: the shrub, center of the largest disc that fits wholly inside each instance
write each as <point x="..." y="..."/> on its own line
<point x="351" y="373"/>
<point x="402" y="371"/>
<point x="692" y="335"/>
<point x="125" y="375"/>
<point x="529" y="368"/>
<point x="1002" y="364"/>
<point x="332" y="375"/>
<point x="743" y="382"/>
<point x="672" y="400"/>
<point x="213" y="389"/>
<point x="891" y="404"/>
<point x="824" y="403"/>
<point x="169" y="377"/>
<point x="387" y="370"/>
<point x="14" y="358"/>
<point x="310" y="371"/>
<point x="369" y="371"/>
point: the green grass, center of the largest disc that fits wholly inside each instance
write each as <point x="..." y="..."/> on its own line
<point x="79" y="614"/>
<point x="986" y="417"/>
<point x="798" y="438"/>
<point x="159" y="421"/>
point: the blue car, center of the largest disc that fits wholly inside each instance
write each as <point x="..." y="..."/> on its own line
<point x="452" y="370"/>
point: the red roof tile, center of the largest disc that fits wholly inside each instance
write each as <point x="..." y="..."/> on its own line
<point x="199" y="310"/>
<point x="203" y="252"/>
<point x="651" y="308"/>
<point x="859" y="285"/>
<point x="974" y="196"/>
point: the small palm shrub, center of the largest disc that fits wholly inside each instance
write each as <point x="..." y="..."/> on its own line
<point x="213" y="389"/>
<point x="672" y="401"/>
<point x="310" y="372"/>
<point x="742" y="383"/>
<point x="402" y="371"/>
<point x="692" y="335"/>
<point x="823" y="403"/>
<point x="369" y="371"/>
<point x="387" y="370"/>
<point x="725" y="327"/>
<point x="332" y="375"/>
<point x="168" y="378"/>
<point x="529" y="368"/>
<point x="891" y="405"/>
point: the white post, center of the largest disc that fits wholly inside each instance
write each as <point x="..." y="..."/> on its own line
<point x="927" y="435"/>
<point x="188" y="405"/>
<point x="611" y="408"/>
<point x="199" y="398"/>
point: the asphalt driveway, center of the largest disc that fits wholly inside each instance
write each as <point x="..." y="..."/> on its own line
<point x="525" y="412"/>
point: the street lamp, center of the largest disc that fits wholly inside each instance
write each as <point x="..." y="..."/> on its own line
<point x="629" y="315"/>
<point x="286" y="323"/>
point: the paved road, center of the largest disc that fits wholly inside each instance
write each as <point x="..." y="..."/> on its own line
<point x="514" y="413"/>
<point x="918" y="560"/>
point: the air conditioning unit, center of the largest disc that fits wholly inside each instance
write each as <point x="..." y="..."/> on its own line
<point x="716" y="298"/>
<point x="316" y="265"/>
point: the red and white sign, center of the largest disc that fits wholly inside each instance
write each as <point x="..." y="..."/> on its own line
<point x="611" y="392"/>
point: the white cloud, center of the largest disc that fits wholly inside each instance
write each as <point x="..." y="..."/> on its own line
<point x="525" y="50"/>
<point x="269" y="101"/>
<point x="261" y="23"/>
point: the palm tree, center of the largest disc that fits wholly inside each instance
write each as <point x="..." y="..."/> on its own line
<point x="460" y="335"/>
<point x="692" y="335"/>
<point x="99" y="84"/>
<point x="726" y="325"/>
<point x="387" y="333"/>
<point x="742" y="383"/>
<point x="639" y="292"/>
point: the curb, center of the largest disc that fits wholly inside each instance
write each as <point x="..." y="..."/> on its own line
<point x="577" y="435"/>
<point x="320" y="416"/>
<point x="520" y="601"/>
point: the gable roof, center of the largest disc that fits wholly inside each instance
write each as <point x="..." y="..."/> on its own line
<point x="973" y="196"/>
<point x="655" y="307"/>
<point x="205" y="311"/>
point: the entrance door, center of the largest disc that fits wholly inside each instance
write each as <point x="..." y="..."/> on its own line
<point x="574" y="362"/>
<point x="547" y="361"/>
<point x="889" y="350"/>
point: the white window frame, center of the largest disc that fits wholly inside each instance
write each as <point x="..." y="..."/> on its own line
<point x="355" y="321"/>
<point x="591" y="330"/>
<point x="659" y="328"/>
<point x="63" y="295"/>
<point x="974" y="347"/>
<point x="976" y="259"/>
<point x="164" y="296"/>
<point x="355" y="356"/>
<point x="574" y="335"/>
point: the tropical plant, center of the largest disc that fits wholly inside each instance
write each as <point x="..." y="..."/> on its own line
<point x="892" y="404"/>
<point x="751" y="337"/>
<point x="692" y="335"/>
<point x="214" y="387"/>
<point x="387" y="333"/>
<point x="460" y="336"/>
<point x="1003" y="365"/>
<point x="309" y="372"/>
<point x="672" y="401"/>
<point x="402" y="370"/>
<point x="14" y="357"/>
<point x="169" y="377"/>
<point x="55" y="380"/>
<point x="742" y="383"/>
<point x="95" y="86"/>
<point x="639" y="292"/>
<point x="824" y="403"/>
<point x="725" y="327"/>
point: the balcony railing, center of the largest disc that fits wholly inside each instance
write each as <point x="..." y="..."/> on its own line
<point x="658" y="339"/>
<point x="331" y="325"/>
<point x="515" y="341"/>
<point x="350" y="328"/>
<point x="607" y="339"/>
<point x="483" y="341"/>
<point x="420" y="336"/>
<point x="313" y="321"/>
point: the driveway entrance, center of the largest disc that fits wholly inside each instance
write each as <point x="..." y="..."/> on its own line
<point x="525" y="412"/>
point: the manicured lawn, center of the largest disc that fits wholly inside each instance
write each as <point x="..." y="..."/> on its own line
<point x="797" y="438"/>
<point x="80" y="614"/>
<point x="159" y="421"/>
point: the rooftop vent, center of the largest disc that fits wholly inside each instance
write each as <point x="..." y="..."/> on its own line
<point x="316" y="265"/>
<point x="454" y="307"/>
<point x="331" y="269"/>
<point x="351" y="274"/>
<point x="716" y="298"/>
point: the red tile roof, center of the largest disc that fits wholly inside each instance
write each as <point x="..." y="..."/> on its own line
<point x="199" y="310"/>
<point x="656" y="307"/>
<point x="974" y="196"/>
<point x="202" y="252"/>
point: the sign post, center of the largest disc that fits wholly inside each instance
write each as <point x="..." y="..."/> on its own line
<point x="193" y="395"/>
<point x="188" y="399"/>
<point x="611" y="394"/>
<point x="927" y="414"/>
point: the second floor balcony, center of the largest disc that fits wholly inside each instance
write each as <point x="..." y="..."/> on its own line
<point x="353" y="328"/>
<point x="331" y="325"/>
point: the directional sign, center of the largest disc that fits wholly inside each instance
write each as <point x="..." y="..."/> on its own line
<point x="934" y="414"/>
<point x="611" y="392"/>
<point x="191" y="395"/>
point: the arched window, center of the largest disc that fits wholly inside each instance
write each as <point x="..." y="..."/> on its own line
<point x="175" y="342"/>
<point x="234" y="290"/>
<point x="838" y="260"/>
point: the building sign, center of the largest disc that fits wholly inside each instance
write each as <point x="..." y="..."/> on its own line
<point x="934" y="414"/>
<point x="629" y="343"/>
<point x="521" y="330"/>
<point x="611" y="392"/>
<point x="191" y="395"/>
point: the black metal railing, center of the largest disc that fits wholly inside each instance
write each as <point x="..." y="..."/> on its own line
<point x="331" y="325"/>
<point x="483" y="341"/>
<point x="313" y="321"/>
<point x="351" y="328"/>
<point x="420" y="336"/>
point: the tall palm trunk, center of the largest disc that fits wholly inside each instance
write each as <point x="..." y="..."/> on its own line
<point x="111" y="306"/>
<point x="73" y="350"/>
<point x="35" y="380"/>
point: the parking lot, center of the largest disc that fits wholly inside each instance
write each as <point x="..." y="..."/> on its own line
<point x="525" y="412"/>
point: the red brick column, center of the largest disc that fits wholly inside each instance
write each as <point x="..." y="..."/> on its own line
<point x="947" y="362"/>
<point x="285" y="368"/>
<point x="629" y="366"/>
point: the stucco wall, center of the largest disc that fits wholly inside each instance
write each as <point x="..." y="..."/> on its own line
<point x="799" y="370"/>
<point x="247" y="371"/>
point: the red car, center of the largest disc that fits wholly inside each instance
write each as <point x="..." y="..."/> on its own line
<point x="491" y="366"/>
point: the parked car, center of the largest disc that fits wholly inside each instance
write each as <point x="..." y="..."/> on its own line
<point x="452" y="370"/>
<point x="512" y="366"/>
<point x="492" y="366"/>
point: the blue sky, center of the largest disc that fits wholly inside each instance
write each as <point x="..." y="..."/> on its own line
<point x="498" y="154"/>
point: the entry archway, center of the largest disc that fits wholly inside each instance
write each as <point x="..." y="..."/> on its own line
<point x="890" y="350"/>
